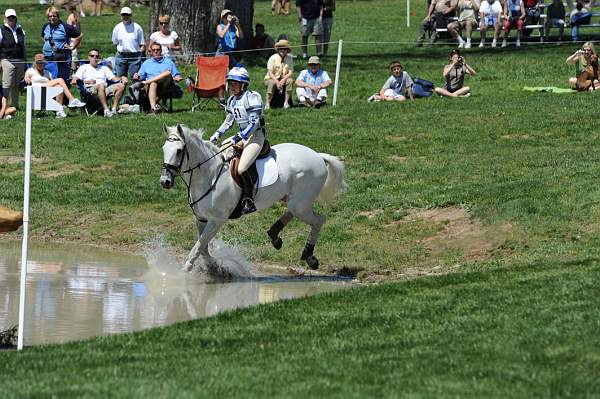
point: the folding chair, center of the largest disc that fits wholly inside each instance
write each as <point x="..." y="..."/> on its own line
<point x="210" y="79"/>
<point x="92" y="104"/>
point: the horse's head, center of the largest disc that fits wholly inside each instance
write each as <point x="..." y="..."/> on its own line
<point x="174" y="153"/>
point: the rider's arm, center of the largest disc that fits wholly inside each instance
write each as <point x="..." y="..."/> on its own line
<point x="253" y="123"/>
<point x="229" y="119"/>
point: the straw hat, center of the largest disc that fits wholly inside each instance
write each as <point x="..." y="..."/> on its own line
<point x="314" y="60"/>
<point x="283" y="44"/>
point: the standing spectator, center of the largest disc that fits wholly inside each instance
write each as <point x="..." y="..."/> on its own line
<point x="514" y="15"/>
<point x="228" y="31"/>
<point x="312" y="84"/>
<point x="57" y="37"/>
<point x="128" y="36"/>
<point x="397" y="87"/>
<point x="555" y="18"/>
<point x="281" y="4"/>
<point x="168" y="39"/>
<point x="490" y="13"/>
<point x="97" y="7"/>
<point x="579" y="16"/>
<point x="310" y="15"/>
<point x="262" y="42"/>
<point x="454" y="74"/>
<point x="328" y="9"/>
<point x="467" y="20"/>
<point x="37" y="75"/>
<point x="73" y="20"/>
<point x="279" y="73"/>
<point x="12" y="56"/>
<point x="100" y="82"/>
<point x="157" y="74"/>
<point x="437" y="17"/>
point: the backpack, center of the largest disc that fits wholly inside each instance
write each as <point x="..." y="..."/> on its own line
<point x="422" y="88"/>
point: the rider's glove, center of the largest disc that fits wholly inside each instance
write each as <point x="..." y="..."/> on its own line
<point x="235" y="139"/>
<point x="215" y="136"/>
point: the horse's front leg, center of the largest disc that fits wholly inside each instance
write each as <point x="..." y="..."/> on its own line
<point x="208" y="232"/>
<point x="195" y="251"/>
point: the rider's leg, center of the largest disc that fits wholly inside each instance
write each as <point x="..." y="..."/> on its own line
<point x="251" y="150"/>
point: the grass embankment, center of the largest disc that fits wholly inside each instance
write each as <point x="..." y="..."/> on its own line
<point x="518" y="332"/>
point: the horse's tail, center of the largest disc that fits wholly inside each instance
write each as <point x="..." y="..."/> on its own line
<point x="334" y="184"/>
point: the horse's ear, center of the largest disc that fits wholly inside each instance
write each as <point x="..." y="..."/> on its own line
<point x="181" y="129"/>
<point x="165" y="130"/>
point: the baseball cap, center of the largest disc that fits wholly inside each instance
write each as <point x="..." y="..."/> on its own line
<point x="10" y="13"/>
<point x="225" y="12"/>
<point x="126" y="10"/>
<point x="314" y="60"/>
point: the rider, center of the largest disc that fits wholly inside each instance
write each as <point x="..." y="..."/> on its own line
<point x="246" y="108"/>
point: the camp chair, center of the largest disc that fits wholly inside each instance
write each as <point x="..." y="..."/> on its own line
<point x="92" y="104"/>
<point x="210" y="79"/>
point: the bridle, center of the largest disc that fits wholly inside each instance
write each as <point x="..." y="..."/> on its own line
<point x="176" y="170"/>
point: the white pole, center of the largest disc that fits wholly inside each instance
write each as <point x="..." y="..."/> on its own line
<point x="25" y="218"/>
<point x="408" y="13"/>
<point x="337" y="73"/>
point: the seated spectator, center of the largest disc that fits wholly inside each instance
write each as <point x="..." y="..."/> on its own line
<point x="454" y="74"/>
<point x="532" y="13"/>
<point x="279" y="73"/>
<point x="584" y="59"/>
<point x="555" y="18"/>
<point x="579" y="16"/>
<point x="490" y="13"/>
<point x="6" y="112"/>
<point x="437" y="17"/>
<point x="312" y="84"/>
<point x="168" y="39"/>
<point x="514" y="15"/>
<point x="158" y="76"/>
<point x="262" y="42"/>
<point x="467" y="21"/>
<point x="37" y="75"/>
<point x="397" y="87"/>
<point x="101" y="82"/>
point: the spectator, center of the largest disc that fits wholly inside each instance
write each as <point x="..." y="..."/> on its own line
<point x="128" y="36"/>
<point x="97" y="7"/>
<point x="262" y="42"/>
<point x="490" y="13"/>
<point x="73" y="20"/>
<point x="6" y="112"/>
<point x="158" y="76"/>
<point x="281" y="4"/>
<point x="228" y="31"/>
<point x="397" y="87"/>
<point x="555" y="18"/>
<point x="57" y="37"/>
<point x="579" y="16"/>
<point x="583" y="58"/>
<point x="168" y="39"/>
<point x="100" y="82"/>
<point x="310" y="15"/>
<point x="12" y="56"/>
<point x="437" y="17"/>
<point x="514" y="15"/>
<point x="454" y="74"/>
<point x="467" y="20"/>
<point x="328" y="9"/>
<point x="279" y="73"/>
<point x="312" y="84"/>
<point x="37" y="75"/>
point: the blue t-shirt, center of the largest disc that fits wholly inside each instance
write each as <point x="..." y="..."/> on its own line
<point x="151" y="68"/>
<point x="314" y="79"/>
<point x="229" y="41"/>
<point x="59" y="34"/>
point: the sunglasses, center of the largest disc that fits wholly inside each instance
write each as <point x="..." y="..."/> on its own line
<point x="156" y="50"/>
<point x="164" y="23"/>
<point x="94" y="55"/>
<point x="126" y="15"/>
<point x="52" y="16"/>
<point x="11" y="17"/>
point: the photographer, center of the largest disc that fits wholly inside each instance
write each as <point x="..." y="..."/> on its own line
<point x="228" y="31"/>
<point x="454" y="74"/>
<point x="585" y="59"/>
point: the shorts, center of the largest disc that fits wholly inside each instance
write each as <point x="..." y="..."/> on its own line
<point x="557" y="22"/>
<point x="314" y="26"/>
<point x="392" y="93"/>
<point x="110" y="90"/>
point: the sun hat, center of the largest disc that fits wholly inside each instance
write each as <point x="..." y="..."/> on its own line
<point x="10" y="13"/>
<point x="225" y="12"/>
<point x="283" y="44"/>
<point x="126" y="10"/>
<point x="314" y="60"/>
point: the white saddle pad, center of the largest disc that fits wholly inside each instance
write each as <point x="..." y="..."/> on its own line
<point x="267" y="171"/>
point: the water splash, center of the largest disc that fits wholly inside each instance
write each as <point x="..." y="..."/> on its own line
<point x="231" y="258"/>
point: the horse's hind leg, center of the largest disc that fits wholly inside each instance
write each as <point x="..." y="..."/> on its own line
<point x="316" y="221"/>
<point x="276" y="228"/>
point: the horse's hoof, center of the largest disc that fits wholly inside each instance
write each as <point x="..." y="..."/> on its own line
<point x="277" y="243"/>
<point x="312" y="262"/>
<point x="187" y="267"/>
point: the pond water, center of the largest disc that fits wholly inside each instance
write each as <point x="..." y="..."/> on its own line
<point x="76" y="292"/>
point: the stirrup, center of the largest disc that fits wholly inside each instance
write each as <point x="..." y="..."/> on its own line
<point x="249" y="206"/>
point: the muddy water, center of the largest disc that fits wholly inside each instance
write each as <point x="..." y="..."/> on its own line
<point x="77" y="292"/>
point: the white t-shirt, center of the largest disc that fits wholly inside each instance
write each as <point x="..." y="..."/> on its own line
<point x="38" y="78"/>
<point x="493" y="9"/>
<point x="101" y="74"/>
<point x="128" y="37"/>
<point x="165" y="41"/>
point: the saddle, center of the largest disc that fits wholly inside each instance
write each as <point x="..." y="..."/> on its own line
<point x="233" y="165"/>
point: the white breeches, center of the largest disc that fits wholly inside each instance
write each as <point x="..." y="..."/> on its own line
<point x="252" y="148"/>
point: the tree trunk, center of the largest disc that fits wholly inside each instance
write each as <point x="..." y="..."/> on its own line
<point x="195" y="21"/>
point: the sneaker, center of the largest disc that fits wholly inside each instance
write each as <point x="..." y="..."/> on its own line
<point x="461" y="45"/>
<point x="304" y="56"/>
<point x="504" y="43"/>
<point x="494" y="43"/>
<point x="7" y="117"/>
<point x="467" y="95"/>
<point x="371" y="99"/>
<point x="286" y="105"/>
<point x="304" y="104"/>
<point x="76" y="103"/>
<point x="267" y="105"/>
<point x="319" y="103"/>
<point x="82" y="13"/>
<point x="108" y="113"/>
<point x="61" y="114"/>
<point x="518" y="43"/>
<point x="481" y="45"/>
<point x="135" y="108"/>
<point x="468" y="44"/>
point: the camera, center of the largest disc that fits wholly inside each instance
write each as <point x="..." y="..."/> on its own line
<point x="460" y="61"/>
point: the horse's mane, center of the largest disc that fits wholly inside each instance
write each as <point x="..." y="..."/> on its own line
<point x="194" y="136"/>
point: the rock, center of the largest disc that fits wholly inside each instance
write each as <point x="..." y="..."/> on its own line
<point x="9" y="220"/>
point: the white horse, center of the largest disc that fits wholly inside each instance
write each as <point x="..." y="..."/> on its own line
<point x="304" y="177"/>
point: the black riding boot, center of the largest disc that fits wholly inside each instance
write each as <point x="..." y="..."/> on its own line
<point x="247" y="191"/>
